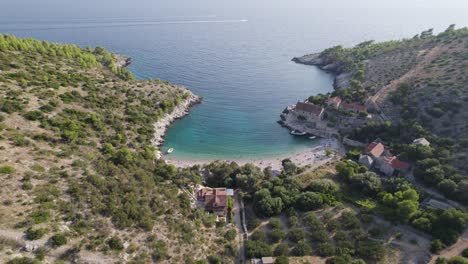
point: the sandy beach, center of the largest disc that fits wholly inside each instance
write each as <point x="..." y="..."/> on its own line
<point x="314" y="155"/>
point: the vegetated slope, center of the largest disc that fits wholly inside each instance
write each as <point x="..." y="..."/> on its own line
<point x="432" y="92"/>
<point x="420" y="86"/>
<point x="78" y="171"/>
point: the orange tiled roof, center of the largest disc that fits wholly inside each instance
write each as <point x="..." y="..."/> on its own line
<point x="355" y="107"/>
<point x="308" y="107"/>
<point x="376" y="149"/>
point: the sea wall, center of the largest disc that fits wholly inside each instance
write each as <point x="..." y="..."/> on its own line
<point x="291" y="121"/>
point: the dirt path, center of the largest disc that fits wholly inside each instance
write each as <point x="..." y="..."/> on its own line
<point x="239" y="221"/>
<point x="454" y="250"/>
<point x="393" y="85"/>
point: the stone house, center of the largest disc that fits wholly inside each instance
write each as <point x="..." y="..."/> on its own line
<point x="366" y="161"/>
<point x="375" y="149"/>
<point x="214" y="200"/>
<point x="355" y="108"/>
<point x="388" y="165"/>
<point x="310" y="112"/>
<point x="333" y="102"/>
<point x="376" y="156"/>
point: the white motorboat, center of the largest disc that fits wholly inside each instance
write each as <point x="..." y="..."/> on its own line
<point x="169" y="151"/>
<point x="296" y="132"/>
<point x="312" y="137"/>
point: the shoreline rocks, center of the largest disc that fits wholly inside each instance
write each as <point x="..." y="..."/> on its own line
<point x="179" y="111"/>
<point x="122" y="61"/>
<point x="342" y="78"/>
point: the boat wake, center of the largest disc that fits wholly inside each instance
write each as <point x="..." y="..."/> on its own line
<point x="53" y="26"/>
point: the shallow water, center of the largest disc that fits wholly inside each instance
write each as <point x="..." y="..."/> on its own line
<point x="236" y="54"/>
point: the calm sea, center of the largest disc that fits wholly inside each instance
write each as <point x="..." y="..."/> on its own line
<point x="236" y="54"/>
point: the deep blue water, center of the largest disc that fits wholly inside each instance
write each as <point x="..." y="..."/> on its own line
<point x="236" y="54"/>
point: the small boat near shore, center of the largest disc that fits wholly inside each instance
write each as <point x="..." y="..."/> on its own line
<point x="312" y="137"/>
<point x="296" y="132"/>
<point x="169" y="151"/>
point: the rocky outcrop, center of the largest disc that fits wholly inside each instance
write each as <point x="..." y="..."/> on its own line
<point x="122" y="61"/>
<point x="310" y="59"/>
<point x="342" y="78"/>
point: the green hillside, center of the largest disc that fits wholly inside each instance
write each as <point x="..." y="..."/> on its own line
<point x="78" y="170"/>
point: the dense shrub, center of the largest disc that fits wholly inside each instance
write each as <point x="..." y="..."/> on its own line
<point x="281" y="250"/>
<point x="276" y="234"/>
<point x="367" y="182"/>
<point x="34" y="234"/>
<point x="58" y="240"/>
<point x="343" y="259"/>
<point x="257" y="249"/>
<point x="10" y="106"/>
<point x="27" y="185"/>
<point x="282" y="260"/>
<point x="253" y="223"/>
<point x="436" y="246"/>
<point x="325" y="249"/>
<point x="33" y="115"/>
<point x="159" y="250"/>
<point x="23" y="260"/>
<point x="39" y="216"/>
<point x="302" y="249"/>
<point x="7" y="169"/>
<point x="309" y="201"/>
<point x="259" y="235"/>
<point x="370" y="250"/>
<point x="230" y="234"/>
<point x="296" y="234"/>
<point x="115" y="243"/>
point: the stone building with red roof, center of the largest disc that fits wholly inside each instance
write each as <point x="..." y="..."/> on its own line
<point x="354" y="108"/>
<point x="382" y="160"/>
<point x="391" y="164"/>
<point x="214" y="200"/>
<point x="310" y="112"/>
<point x="333" y="102"/>
<point x="375" y="149"/>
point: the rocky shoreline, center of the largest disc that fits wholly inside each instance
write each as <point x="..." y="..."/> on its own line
<point x="178" y="112"/>
<point x="122" y="61"/>
<point x="342" y="78"/>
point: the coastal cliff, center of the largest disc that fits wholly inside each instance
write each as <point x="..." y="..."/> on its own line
<point x="342" y="77"/>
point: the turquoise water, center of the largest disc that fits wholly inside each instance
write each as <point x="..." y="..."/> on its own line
<point x="241" y="121"/>
<point x="236" y="54"/>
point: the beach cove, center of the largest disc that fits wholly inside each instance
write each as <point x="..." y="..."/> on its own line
<point x="237" y="59"/>
<point x="314" y="155"/>
<point x="312" y="152"/>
